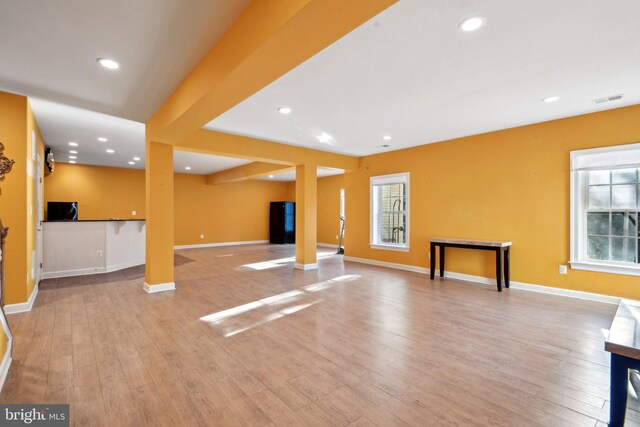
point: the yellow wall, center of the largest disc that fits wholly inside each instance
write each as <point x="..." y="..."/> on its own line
<point x="507" y="185"/>
<point x="329" y="208"/>
<point x="18" y="198"/>
<point x="101" y="192"/>
<point x="223" y="213"/>
<point x="13" y="200"/>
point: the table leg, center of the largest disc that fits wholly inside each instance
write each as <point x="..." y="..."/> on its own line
<point x="618" y="396"/>
<point x="506" y="267"/>
<point x="499" y="268"/>
<point x="441" y="260"/>
<point x="432" y="261"/>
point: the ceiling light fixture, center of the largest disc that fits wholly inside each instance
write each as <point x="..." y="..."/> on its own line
<point x="108" y="63"/>
<point x="72" y="157"/>
<point x="102" y="139"/>
<point x="110" y="151"/>
<point x="324" y="138"/>
<point x="137" y="159"/>
<point x="188" y="168"/>
<point x="387" y="137"/>
<point x="132" y="163"/>
<point x="550" y="99"/>
<point x="471" y="24"/>
<point x="270" y="176"/>
<point x="385" y="146"/>
<point x="73" y="144"/>
<point x="284" y="110"/>
<point x="72" y="161"/>
<point x="73" y="152"/>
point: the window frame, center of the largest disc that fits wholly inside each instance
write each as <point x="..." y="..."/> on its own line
<point x="396" y="178"/>
<point x="582" y="162"/>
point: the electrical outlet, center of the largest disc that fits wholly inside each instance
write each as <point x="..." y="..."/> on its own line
<point x="202" y="237"/>
<point x="337" y="236"/>
<point x="562" y="269"/>
<point x="133" y="213"/>
<point x="99" y="253"/>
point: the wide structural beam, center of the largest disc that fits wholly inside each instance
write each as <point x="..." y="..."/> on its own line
<point x="242" y="173"/>
<point x="269" y="39"/>
<point x="225" y="144"/>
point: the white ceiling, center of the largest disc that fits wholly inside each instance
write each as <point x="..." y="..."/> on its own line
<point x="49" y="49"/>
<point x="203" y="164"/>
<point x="291" y="175"/>
<point x="409" y="72"/>
<point x="412" y="74"/>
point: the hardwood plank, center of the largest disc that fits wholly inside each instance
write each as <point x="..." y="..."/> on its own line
<point x="348" y="344"/>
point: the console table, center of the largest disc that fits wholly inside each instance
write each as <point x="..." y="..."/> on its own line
<point x="499" y="247"/>
<point x="624" y="345"/>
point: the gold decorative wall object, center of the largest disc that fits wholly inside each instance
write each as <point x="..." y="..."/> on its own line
<point x="5" y="163"/>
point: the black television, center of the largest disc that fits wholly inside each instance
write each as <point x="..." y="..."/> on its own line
<point x="62" y="211"/>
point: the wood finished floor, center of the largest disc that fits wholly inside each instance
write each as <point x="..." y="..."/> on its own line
<point x="246" y="340"/>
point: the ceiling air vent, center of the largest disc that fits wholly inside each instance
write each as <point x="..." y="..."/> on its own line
<point x="607" y="99"/>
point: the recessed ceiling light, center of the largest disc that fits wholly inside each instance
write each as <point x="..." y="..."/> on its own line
<point x="188" y="168"/>
<point x="108" y="63"/>
<point x="324" y="138"/>
<point x="270" y="176"/>
<point x="72" y="157"/>
<point x="387" y="137"/>
<point x="73" y="152"/>
<point x="102" y="139"/>
<point x="550" y="99"/>
<point x="110" y="151"/>
<point x="73" y="144"/>
<point x="72" y="161"/>
<point x="284" y="110"/>
<point x="137" y="159"/>
<point x="132" y="163"/>
<point x="471" y="24"/>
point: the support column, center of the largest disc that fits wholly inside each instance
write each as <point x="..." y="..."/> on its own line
<point x="306" y="216"/>
<point x="159" y="213"/>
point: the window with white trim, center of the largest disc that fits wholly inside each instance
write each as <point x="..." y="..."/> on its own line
<point x="605" y="206"/>
<point x="390" y="212"/>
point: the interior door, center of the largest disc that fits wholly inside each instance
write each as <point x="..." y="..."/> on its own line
<point x="39" y="218"/>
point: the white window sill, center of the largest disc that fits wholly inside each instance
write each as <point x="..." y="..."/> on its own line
<point x="606" y="267"/>
<point x="390" y="247"/>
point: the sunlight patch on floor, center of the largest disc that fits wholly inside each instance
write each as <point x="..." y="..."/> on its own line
<point x="230" y="320"/>
<point x="264" y="265"/>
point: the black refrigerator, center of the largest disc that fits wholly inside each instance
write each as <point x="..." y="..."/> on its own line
<point x="282" y="222"/>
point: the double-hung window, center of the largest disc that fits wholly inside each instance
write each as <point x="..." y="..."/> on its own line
<point x="390" y="212"/>
<point x="605" y="209"/>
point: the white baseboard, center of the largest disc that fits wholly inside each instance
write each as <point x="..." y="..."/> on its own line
<point x="327" y="245"/>
<point x="93" y="270"/>
<point x="72" y="273"/>
<point x="405" y="267"/>
<point x="214" y="245"/>
<point x="161" y="287"/>
<point x="305" y="267"/>
<point x="492" y="282"/>
<point x="6" y="364"/>
<point x="23" y="306"/>
<point x="123" y="265"/>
